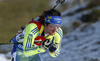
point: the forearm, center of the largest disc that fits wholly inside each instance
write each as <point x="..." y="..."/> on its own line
<point x="33" y="51"/>
<point x="30" y="34"/>
<point x="55" y="51"/>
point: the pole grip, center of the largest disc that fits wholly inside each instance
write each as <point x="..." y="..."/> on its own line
<point x="57" y="2"/>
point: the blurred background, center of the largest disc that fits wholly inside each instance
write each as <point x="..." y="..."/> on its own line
<point x="17" y="13"/>
<point x="80" y="24"/>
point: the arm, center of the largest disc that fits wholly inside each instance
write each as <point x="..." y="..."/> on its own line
<point x="55" y="48"/>
<point x="31" y="33"/>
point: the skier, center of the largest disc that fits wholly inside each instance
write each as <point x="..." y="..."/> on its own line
<point x="43" y="33"/>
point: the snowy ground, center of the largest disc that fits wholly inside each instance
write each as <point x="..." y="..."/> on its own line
<point x="6" y="49"/>
<point x="3" y="58"/>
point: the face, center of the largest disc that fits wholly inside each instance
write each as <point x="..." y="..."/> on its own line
<point x="51" y="28"/>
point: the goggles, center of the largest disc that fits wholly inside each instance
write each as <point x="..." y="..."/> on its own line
<point x="55" y="25"/>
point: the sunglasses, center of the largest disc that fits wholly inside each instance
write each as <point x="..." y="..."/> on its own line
<point x="55" y="25"/>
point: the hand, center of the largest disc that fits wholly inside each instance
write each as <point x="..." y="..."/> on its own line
<point x="47" y="43"/>
<point x="53" y="47"/>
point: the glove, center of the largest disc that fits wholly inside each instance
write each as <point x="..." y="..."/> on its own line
<point x="53" y="48"/>
<point x="47" y="43"/>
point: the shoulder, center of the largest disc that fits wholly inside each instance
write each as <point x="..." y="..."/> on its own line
<point x="37" y="23"/>
<point x="58" y="35"/>
<point x="59" y="32"/>
<point x="31" y="26"/>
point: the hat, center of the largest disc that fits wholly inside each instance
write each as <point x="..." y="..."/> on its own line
<point x="53" y="19"/>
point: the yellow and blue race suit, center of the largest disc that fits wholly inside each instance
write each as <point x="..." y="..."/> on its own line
<point x="27" y="51"/>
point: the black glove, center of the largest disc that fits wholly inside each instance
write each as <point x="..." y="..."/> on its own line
<point x="53" y="48"/>
<point x="47" y="43"/>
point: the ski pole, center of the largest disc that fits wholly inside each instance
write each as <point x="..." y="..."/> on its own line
<point x="18" y="43"/>
<point x="10" y="43"/>
<point x="57" y="2"/>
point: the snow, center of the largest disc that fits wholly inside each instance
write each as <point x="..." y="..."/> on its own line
<point x="69" y="19"/>
<point x="7" y="52"/>
<point x="3" y="58"/>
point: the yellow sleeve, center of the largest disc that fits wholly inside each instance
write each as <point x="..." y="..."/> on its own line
<point x="58" y="37"/>
<point x="31" y="32"/>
